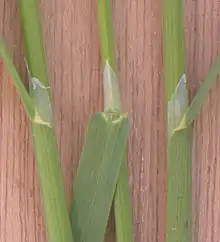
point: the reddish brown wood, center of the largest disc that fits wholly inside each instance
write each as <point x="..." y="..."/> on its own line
<point x="73" y="53"/>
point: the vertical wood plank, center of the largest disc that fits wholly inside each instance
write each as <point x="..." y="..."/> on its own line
<point x="203" y="45"/>
<point x="72" y="46"/>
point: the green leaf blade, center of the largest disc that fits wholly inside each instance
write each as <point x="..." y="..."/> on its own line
<point x="179" y="197"/>
<point x="122" y="205"/>
<point x="122" y="199"/>
<point x="26" y="99"/>
<point x="106" y="33"/>
<point x="97" y="176"/>
<point x="200" y="96"/>
<point x="46" y="148"/>
<point x="34" y="112"/>
<point x="173" y="41"/>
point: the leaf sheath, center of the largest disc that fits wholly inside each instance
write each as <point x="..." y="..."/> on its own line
<point x="122" y="199"/>
<point x="46" y="150"/>
<point x="179" y="197"/>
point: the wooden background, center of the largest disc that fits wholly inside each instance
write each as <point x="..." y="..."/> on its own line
<point x="73" y="54"/>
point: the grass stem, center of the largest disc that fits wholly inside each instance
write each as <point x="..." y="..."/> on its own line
<point x="45" y="142"/>
<point x="122" y="200"/>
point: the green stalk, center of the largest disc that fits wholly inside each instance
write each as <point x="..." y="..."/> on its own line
<point x="122" y="200"/>
<point x="45" y="142"/>
<point x="179" y="197"/>
<point x="180" y="116"/>
<point x="102" y="175"/>
<point x="174" y="53"/>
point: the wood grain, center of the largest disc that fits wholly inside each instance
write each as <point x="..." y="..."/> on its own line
<point x="203" y="45"/>
<point x="72" y="46"/>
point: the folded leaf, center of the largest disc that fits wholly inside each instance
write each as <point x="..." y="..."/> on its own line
<point x="122" y="198"/>
<point x="29" y="104"/>
<point x="200" y="96"/>
<point x="97" y="175"/>
<point x="179" y="117"/>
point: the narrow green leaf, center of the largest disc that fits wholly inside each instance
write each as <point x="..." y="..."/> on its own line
<point x="173" y="40"/>
<point x="179" y="196"/>
<point x="27" y="101"/>
<point x="122" y="205"/>
<point x="179" y="118"/>
<point x="97" y="175"/>
<point x="200" y="96"/>
<point x="45" y="142"/>
<point x="122" y="199"/>
<point x="106" y="33"/>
